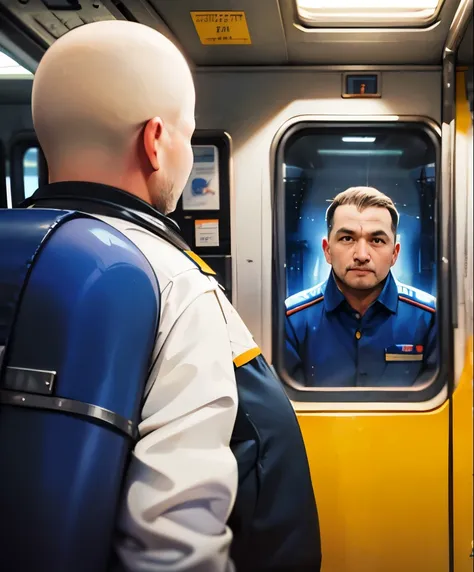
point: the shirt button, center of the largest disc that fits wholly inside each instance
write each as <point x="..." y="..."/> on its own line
<point x="358" y="335"/>
<point x="357" y="316"/>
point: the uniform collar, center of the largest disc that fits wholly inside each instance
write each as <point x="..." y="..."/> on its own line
<point x="333" y="297"/>
<point x="389" y="295"/>
<point x="82" y="189"/>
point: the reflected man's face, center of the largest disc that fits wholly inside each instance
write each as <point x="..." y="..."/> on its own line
<point x="361" y="246"/>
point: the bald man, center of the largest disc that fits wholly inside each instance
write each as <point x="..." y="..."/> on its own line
<point x="220" y="458"/>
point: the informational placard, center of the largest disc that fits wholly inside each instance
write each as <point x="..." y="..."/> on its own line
<point x="221" y="27"/>
<point x="202" y="189"/>
<point x="207" y="232"/>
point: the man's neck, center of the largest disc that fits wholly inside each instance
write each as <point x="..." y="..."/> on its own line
<point x="119" y="173"/>
<point x="359" y="300"/>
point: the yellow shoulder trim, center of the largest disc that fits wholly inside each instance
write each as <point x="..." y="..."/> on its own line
<point x="205" y="268"/>
<point x="246" y="357"/>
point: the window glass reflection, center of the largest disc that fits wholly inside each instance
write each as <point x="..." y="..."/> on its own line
<point x="361" y="276"/>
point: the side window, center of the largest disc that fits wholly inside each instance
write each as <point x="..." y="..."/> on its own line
<point x="469" y="74"/>
<point x="356" y="278"/>
<point x="27" y="166"/>
<point x="9" y="70"/>
<point x="3" y="178"/>
<point x="30" y="171"/>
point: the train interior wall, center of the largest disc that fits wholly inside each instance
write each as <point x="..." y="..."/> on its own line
<point x="251" y="107"/>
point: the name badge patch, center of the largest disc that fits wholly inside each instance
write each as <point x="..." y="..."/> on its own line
<point x="404" y="352"/>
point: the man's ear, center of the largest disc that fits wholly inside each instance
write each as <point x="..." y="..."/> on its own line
<point x="396" y="252"/>
<point x="151" y="135"/>
<point x="327" y="253"/>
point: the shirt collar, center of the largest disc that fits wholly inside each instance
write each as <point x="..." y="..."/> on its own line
<point x="333" y="297"/>
<point x="389" y="295"/>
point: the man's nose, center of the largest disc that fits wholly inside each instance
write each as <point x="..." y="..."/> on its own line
<point x="361" y="252"/>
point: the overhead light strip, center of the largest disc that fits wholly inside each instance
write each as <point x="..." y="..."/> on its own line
<point x="358" y="139"/>
<point x="361" y="152"/>
<point x="367" y="12"/>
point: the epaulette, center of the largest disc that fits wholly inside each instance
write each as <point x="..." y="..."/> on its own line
<point x="199" y="262"/>
<point x="416" y="297"/>
<point x="304" y="299"/>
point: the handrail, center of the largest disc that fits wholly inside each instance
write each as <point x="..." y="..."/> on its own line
<point x="458" y="27"/>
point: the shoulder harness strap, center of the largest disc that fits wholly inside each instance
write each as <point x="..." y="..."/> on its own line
<point x="155" y="223"/>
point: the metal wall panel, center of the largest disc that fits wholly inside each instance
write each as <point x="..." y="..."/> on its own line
<point x="251" y="107"/>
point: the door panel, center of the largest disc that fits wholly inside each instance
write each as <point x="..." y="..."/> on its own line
<point x="463" y="467"/>
<point x="381" y="484"/>
<point x="463" y="396"/>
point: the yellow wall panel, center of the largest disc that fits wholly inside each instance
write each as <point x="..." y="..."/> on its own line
<point x="381" y="484"/>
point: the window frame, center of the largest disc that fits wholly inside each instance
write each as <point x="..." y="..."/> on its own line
<point x="423" y="397"/>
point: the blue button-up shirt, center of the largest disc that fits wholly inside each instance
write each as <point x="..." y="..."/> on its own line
<point x="328" y="344"/>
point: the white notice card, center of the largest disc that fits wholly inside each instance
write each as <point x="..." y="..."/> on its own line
<point x="207" y="232"/>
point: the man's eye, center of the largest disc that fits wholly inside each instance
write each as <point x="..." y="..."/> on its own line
<point x="346" y="238"/>
<point x="378" y="241"/>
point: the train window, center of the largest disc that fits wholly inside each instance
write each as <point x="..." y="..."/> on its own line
<point x="27" y="166"/>
<point x="9" y="67"/>
<point x="469" y="74"/>
<point x="3" y="178"/>
<point x="30" y="171"/>
<point x="356" y="277"/>
<point x="363" y="13"/>
<point x="8" y="183"/>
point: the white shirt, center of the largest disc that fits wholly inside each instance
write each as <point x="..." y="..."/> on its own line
<point x="182" y="480"/>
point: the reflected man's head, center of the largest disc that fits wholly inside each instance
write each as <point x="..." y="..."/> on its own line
<point x="361" y="243"/>
<point x="113" y="103"/>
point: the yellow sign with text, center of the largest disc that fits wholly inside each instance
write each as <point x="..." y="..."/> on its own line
<point x="217" y="28"/>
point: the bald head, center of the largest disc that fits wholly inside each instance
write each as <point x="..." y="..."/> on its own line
<point x="113" y="102"/>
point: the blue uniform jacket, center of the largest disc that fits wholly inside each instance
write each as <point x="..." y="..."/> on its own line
<point x="329" y="345"/>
